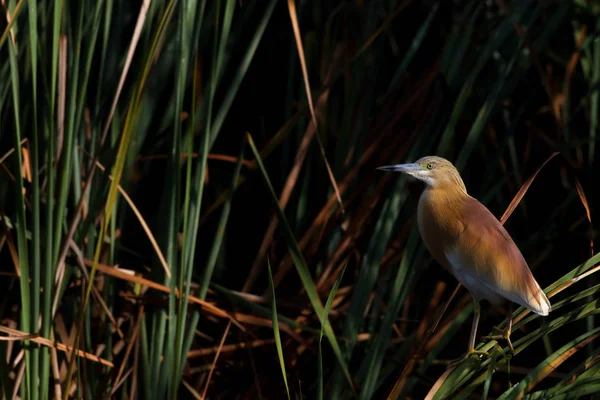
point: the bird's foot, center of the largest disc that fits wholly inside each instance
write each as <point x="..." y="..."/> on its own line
<point x="501" y="334"/>
<point x="453" y="363"/>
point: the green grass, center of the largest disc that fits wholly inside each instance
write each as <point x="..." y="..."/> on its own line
<point x="244" y="137"/>
<point x="276" y="331"/>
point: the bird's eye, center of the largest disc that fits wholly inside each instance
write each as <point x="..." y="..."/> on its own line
<point x="430" y="166"/>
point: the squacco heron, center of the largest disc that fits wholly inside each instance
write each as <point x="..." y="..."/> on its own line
<point x="467" y="240"/>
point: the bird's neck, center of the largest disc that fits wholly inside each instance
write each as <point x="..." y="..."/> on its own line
<point x="446" y="195"/>
<point x="450" y="189"/>
<point x="443" y="206"/>
<point x="451" y="183"/>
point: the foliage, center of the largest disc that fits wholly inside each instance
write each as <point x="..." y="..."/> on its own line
<point x="160" y="158"/>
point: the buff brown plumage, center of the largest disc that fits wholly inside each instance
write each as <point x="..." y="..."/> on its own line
<point x="470" y="242"/>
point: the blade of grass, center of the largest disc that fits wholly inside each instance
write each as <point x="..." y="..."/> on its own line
<point x="212" y="260"/>
<point x="58" y="75"/>
<point x="34" y="368"/>
<point x="488" y="379"/>
<point x="188" y="246"/>
<point x="192" y="207"/>
<point x="328" y="304"/>
<point x="22" y="244"/>
<point x="187" y="17"/>
<point x="580" y="388"/>
<point x="276" y="330"/>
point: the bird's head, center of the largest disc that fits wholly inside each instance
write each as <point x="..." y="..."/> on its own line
<point x="434" y="171"/>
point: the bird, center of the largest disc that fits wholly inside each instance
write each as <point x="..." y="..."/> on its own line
<point x="465" y="237"/>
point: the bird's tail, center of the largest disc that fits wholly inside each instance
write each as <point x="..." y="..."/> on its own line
<point x="537" y="301"/>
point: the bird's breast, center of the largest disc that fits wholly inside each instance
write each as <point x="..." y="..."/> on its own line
<point x="439" y="216"/>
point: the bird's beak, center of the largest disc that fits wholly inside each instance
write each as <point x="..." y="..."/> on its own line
<point x="406" y="168"/>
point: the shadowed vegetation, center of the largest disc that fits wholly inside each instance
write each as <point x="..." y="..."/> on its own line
<point x="167" y="166"/>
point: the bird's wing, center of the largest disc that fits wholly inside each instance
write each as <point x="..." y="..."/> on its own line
<point x="495" y="260"/>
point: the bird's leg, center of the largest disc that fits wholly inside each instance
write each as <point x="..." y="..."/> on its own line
<point x="504" y="333"/>
<point x="471" y="348"/>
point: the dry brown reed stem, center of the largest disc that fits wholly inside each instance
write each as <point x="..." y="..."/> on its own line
<point x="214" y="364"/>
<point x="229" y="348"/>
<point x="210" y="156"/>
<point x="130" y="344"/>
<point x="120" y="274"/>
<point x="19" y="335"/>
<point x="298" y="39"/>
